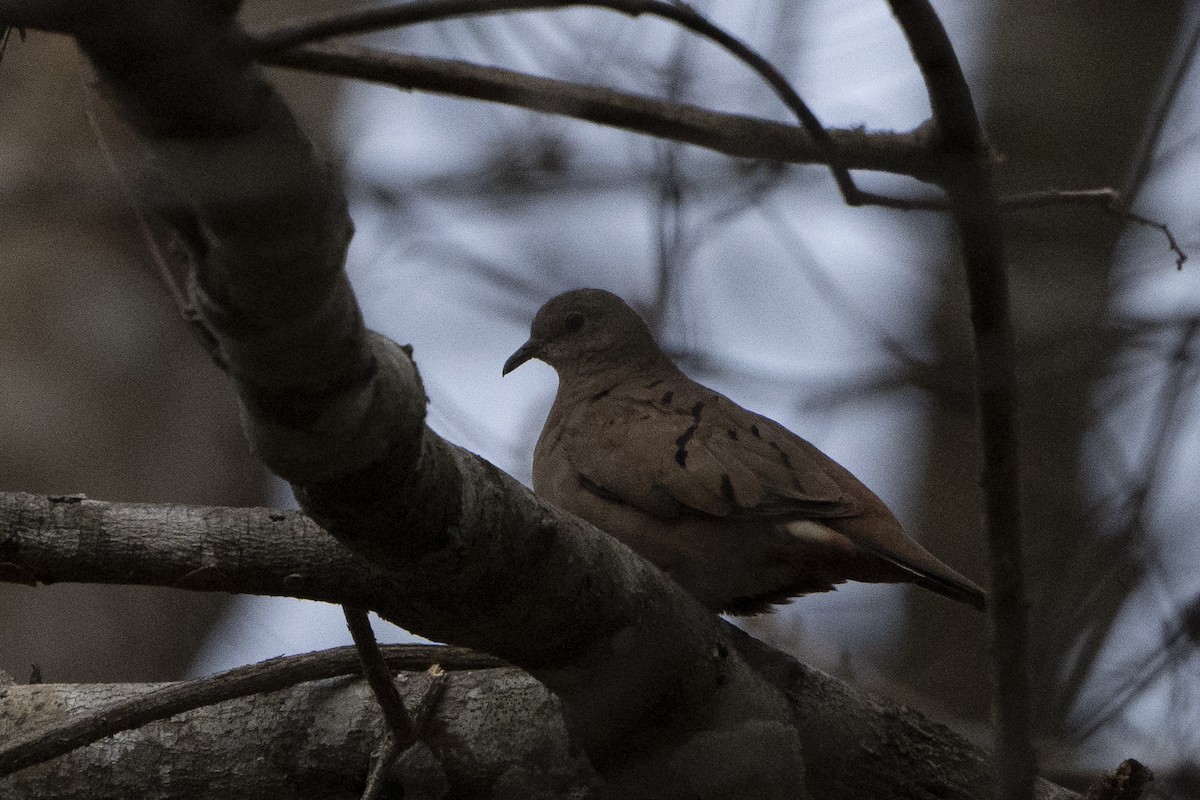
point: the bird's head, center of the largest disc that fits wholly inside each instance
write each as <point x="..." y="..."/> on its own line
<point x="585" y="331"/>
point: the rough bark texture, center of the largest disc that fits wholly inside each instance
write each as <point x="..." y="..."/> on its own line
<point x="854" y="745"/>
<point x="495" y="734"/>
<point x="664" y="698"/>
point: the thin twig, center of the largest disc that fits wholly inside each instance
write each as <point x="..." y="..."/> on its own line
<point x="377" y="779"/>
<point x="5" y="30"/>
<point x="170" y="255"/>
<point x="681" y="13"/>
<point x="1180" y="255"/>
<point x="1110" y="200"/>
<point x="156" y="250"/>
<point x="968" y="184"/>
<point x="379" y="677"/>
<point x="746" y="137"/>
<point x="426" y="706"/>
<point x="265" y="676"/>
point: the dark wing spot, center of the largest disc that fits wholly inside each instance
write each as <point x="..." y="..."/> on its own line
<point x="696" y="409"/>
<point x="731" y="433"/>
<point x="787" y="460"/>
<point x="601" y="394"/>
<point x="754" y="432"/>
<point x="666" y="398"/>
<point x="681" y="444"/>
<point x="653" y="384"/>
<point x="727" y="489"/>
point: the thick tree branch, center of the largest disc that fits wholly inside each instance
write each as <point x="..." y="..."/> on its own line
<point x="654" y="688"/>
<point x="651" y="687"/>
<point x="496" y="733"/>
<point x="856" y="745"/>
<point x="52" y="739"/>
<point x="244" y="550"/>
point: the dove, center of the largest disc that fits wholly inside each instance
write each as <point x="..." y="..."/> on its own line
<point x="737" y="509"/>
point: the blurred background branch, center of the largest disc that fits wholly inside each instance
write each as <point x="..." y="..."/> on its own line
<point x="846" y="325"/>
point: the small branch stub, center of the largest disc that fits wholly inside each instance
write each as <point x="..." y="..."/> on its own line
<point x="1129" y="781"/>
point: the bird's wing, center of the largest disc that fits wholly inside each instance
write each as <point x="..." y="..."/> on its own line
<point x="673" y="446"/>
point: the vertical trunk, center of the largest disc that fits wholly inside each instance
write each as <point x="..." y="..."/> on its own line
<point x="1071" y="87"/>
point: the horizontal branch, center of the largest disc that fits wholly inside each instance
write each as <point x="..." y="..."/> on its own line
<point x="856" y="745"/>
<point x="262" y="551"/>
<point x="680" y="13"/>
<point x="311" y="741"/>
<point x="736" y="135"/>
<point x="58" y="738"/>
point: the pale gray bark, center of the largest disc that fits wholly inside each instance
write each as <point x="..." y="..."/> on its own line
<point x="853" y="744"/>
<point x="495" y="734"/>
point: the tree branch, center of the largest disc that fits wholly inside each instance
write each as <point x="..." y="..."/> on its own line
<point x="654" y="688"/>
<point x="732" y="134"/>
<point x="494" y="729"/>
<point x="680" y="13"/>
<point x="968" y="183"/>
<point x="855" y="745"/>
<point x="56" y="739"/>
<point x="379" y="678"/>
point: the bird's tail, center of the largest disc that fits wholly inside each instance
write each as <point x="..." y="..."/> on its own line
<point x="962" y="590"/>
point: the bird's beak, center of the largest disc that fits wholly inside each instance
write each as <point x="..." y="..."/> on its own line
<point x="531" y="349"/>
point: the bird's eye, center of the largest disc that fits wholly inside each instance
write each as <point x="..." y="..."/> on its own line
<point x="573" y="322"/>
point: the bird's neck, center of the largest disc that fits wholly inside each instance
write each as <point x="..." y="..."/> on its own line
<point x="586" y="379"/>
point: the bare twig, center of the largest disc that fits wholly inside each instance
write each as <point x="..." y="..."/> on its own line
<point x="5" y="32"/>
<point x="150" y="237"/>
<point x="968" y="183"/>
<point x="170" y="254"/>
<point x="1180" y="255"/>
<point x="379" y="677"/>
<point x="678" y="12"/>
<point x="1108" y="199"/>
<point x="377" y="780"/>
<point x="733" y="134"/>
<point x="266" y="676"/>
<point x="403" y="730"/>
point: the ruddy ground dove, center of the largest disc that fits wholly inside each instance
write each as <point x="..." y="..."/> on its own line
<point x="736" y="508"/>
